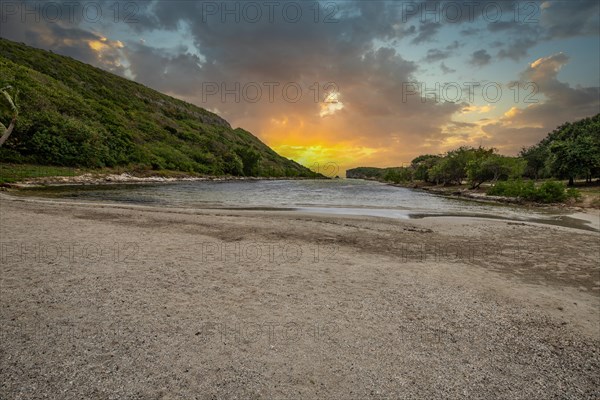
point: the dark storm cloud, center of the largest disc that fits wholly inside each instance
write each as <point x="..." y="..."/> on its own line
<point x="179" y="74"/>
<point x="524" y="24"/>
<point x="281" y="49"/>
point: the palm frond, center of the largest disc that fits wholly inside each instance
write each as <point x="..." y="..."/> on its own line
<point x="10" y="100"/>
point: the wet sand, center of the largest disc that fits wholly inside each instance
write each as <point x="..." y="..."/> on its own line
<point x="106" y="301"/>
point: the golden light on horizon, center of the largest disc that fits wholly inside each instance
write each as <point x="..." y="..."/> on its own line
<point x="318" y="156"/>
<point x="314" y="143"/>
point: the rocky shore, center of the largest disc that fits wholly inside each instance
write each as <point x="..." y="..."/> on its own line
<point x="124" y="178"/>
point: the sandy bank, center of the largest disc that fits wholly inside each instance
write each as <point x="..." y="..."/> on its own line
<point x="101" y="301"/>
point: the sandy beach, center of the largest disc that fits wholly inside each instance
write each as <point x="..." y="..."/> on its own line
<point x="114" y="302"/>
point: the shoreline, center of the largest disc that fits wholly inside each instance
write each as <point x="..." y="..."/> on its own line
<point x="127" y="178"/>
<point x="587" y="214"/>
<point x="580" y="220"/>
<point x="476" y="196"/>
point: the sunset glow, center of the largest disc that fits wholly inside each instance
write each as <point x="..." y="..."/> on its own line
<point x="379" y="86"/>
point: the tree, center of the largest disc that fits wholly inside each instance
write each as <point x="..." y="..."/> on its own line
<point x="493" y="167"/>
<point x="437" y="173"/>
<point x="250" y="160"/>
<point x="421" y="166"/>
<point x="536" y="158"/>
<point x="233" y="164"/>
<point x="398" y="175"/>
<point x="15" y="113"/>
<point x="453" y="167"/>
<point x="574" y="150"/>
<point x="576" y="157"/>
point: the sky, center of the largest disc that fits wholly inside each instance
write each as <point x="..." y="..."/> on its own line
<point x="345" y="83"/>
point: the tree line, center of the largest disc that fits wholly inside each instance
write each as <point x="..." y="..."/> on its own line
<point x="570" y="152"/>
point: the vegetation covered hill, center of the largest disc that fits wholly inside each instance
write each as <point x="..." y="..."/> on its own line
<point x="367" y="173"/>
<point x="72" y="114"/>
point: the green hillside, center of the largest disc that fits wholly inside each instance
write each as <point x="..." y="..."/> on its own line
<point x="75" y="115"/>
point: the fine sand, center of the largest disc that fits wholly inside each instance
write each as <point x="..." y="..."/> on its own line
<point x="125" y="302"/>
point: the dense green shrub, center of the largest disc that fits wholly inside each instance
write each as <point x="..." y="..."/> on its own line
<point x="573" y="193"/>
<point x="547" y="192"/>
<point x="233" y="165"/>
<point x="513" y="188"/>
<point x="398" y="175"/>
<point x="551" y="192"/>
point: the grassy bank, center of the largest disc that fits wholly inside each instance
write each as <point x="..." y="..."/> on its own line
<point x="13" y="174"/>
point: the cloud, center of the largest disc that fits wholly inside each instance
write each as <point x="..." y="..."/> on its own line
<point x="427" y="30"/>
<point x="470" y="31"/>
<point x="517" y="49"/>
<point x="370" y="79"/>
<point x="519" y="37"/>
<point x="454" y="45"/>
<point x="179" y="73"/>
<point x="542" y="21"/>
<point x="561" y="103"/>
<point x="68" y="40"/>
<point x="445" y="69"/>
<point x="480" y="58"/>
<point x="434" y="55"/>
<point x="564" y="19"/>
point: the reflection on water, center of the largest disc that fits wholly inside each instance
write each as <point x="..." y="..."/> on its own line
<point x="349" y="197"/>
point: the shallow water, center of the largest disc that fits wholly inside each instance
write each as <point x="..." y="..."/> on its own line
<point x="348" y="197"/>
